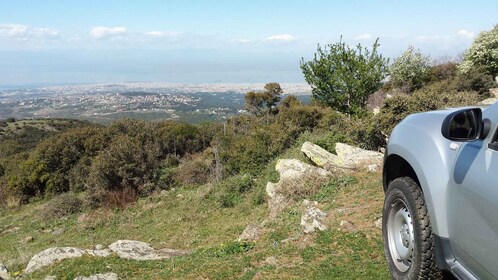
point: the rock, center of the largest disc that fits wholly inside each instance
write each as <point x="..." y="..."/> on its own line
<point x="58" y="231"/>
<point x="251" y="233"/>
<point x="360" y="157"/>
<point x="28" y="239"/>
<point x="373" y="168"/>
<point x="99" y="253"/>
<point x="325" y="159"/>
<point x="290" y="169"/>
<point x="4" y="273"/>
<point x="106" y="276"/>
<point x="376" y="111"/>
<point x="51" y="255"/>
<point x="378" y="223"/>
<point x="137" y="250"/>
<point x="50" y="277"/>
<point x="313" y="218"/>
<point x="292" y="172"/>
<point x="307" y="203"/>
<point x="346" y="226"/>
<point x="489" y="101"/>
<point x="99" y="247"/>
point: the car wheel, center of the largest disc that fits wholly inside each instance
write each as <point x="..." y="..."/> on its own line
<point x="407" y="233"/>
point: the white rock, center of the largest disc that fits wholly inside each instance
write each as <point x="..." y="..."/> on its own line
<point x="312" y="219"/>
<point x="360" y="157"/>
<point x="489" y="101"/>
<point x="251" y="233"/>
<point x="373" y="168"/>
<point x="106" y="276"/>
<point x="99" y="253"/>
<point x="376" y="111"/>
<point x="138" y="250"/>
<point x="324" y="158"/>
<point x="271" y="189"/>
<point x="4" y="273"/>
<point x="99" y="247"/>
<point x="293" y="169"/>
<point x="51" y="255"/>
<point x="50" y="277"/>
<point x="378" y="223"/>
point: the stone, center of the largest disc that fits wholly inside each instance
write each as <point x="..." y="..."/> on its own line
<point x="346" y="226"/>
<point x="373" y="168"/>
<point x="50" y="277"/>
<point x="4" y="273"/>
<point x="58" y="231"/>
<point x="376" y="111"/>
<point x="290" y="169"/>
<point x="489" y="101"/>
<point x="28" y="239"/>
<point x="378" y="223"/>
<point x="325" y="159"/>
<point x="51" y="255"/>
<point x="99" y="253"/>
<point x="277" y="205"/>
<point x="360" y="157"/>
<point x="252" y="232"/>
<point x="313" y="218"/>
<point x="99" y="247"/>
<point x="138" y="250"/>
<point x="105" y="276"/>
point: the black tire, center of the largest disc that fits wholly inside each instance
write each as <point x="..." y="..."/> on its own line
<point x="407" y="232"/>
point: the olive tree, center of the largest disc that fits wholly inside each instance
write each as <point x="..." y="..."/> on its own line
<point x="483" y="53"/>
<point x="343" y="77"/>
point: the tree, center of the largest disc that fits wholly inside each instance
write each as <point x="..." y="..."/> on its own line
<point x="256" y="101"/>
<point x="483" y="53"/>
<point x="409" y="71"/>
<point x="342" y="77"/>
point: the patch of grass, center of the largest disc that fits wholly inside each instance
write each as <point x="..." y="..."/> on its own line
<point x="192" y="219"/>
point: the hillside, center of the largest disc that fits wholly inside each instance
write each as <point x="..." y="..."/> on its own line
<point x="192" y="219"/>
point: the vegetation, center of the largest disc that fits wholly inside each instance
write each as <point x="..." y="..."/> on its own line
<point x="343" y="77"/>
<point x="483" y="53"/>
<point x="408" y="71"/>
<point x="196" y="187"/>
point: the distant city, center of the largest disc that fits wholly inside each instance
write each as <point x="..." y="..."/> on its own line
<point x="104" y="103"/>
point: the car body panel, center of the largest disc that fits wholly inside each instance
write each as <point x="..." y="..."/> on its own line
<point x="460" y="186"/>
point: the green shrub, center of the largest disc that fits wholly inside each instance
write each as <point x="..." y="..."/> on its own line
<point x="62" y="205"/>
<point x="194" y="169"/>
<point x="409" y="71"/>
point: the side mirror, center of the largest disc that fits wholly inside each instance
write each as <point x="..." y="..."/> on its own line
<point x="465" y="125"/>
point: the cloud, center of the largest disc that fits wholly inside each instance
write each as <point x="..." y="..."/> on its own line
<point x="365" y="36"/>
<point x="282" y="38"/>
<point x="466" y="34"/>
<point x="242" y="41"/>
<point x="25" y="32"/>
<point x="103" y="32"/>
<point x="161" y="34"/>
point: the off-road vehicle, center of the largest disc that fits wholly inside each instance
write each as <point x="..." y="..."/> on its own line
<point x="440" y="180"/>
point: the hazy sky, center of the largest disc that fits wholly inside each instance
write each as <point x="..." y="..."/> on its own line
<point x="69" y="41"/>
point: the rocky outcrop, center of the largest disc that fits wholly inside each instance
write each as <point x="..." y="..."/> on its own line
<point x="348" y="158"/>
<point x="137" y="250"/>
<point x="313" y="218"/>
<point x="105" y="276"/>
<point x="52" y="255"/>
<point x="293" y="174"/>
<point x="127" y="249"/>
<point x="251" y="233"/>
<point x="4" y="273"/>
<point x="325" y="159"/>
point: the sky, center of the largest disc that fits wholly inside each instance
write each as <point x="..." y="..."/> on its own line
<point x="212" y="41"/>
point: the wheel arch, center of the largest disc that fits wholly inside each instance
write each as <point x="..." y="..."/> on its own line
<point x="394" y="167"/>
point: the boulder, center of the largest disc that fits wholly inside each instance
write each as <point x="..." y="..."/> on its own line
<point x="325" y="159"/>
<point x="4" y="273"/>
<point x="313" y="218"/>
<point x="251" y="233"/>
<point x="361" y="158"/>
<point x="51" y="255"/>
<point x="291" y="169"/>
<point x="105" y="276"/>
<point x="292" y="172"/>
<point x="137" y="250"/>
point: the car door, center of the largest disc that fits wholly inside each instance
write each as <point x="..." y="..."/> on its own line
<point x="473" y="207"/>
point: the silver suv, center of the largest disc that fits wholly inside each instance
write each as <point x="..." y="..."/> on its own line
<point x="440" y="212"/>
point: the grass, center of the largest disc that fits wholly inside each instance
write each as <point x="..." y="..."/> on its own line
<point x="192" y="219"/>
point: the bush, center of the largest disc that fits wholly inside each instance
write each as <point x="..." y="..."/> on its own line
<point x="475" y="79"/>
<point x="62" y="205"/>
<point x="483" y="53"/>
<point x="409" y="70"/>
<point x="194" y="169"/>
